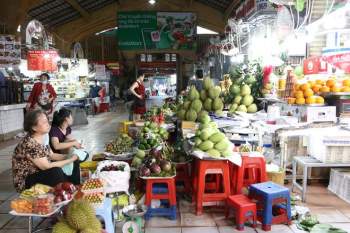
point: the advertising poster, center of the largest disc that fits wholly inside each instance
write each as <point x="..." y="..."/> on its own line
<point x="156" y="30"/>
<point x="10" y="51"/>
<point x="42" y="60"/>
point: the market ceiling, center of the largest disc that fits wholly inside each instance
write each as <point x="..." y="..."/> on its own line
<point x="73" y="20"/>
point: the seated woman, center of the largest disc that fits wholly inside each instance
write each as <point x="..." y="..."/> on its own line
<point x="33" y="162"/>
<point x="61" y="140"/>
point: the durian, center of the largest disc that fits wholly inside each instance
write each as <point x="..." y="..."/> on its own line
<point x="76" y="215"/>
<point x="63" y="227"/>
<point x="94" y="226"/>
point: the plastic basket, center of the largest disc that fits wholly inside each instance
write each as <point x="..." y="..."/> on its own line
<point x="276" y="177"/>
<point x="91" y="165"/>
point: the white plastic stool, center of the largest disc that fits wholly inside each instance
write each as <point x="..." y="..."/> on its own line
<point x="106" y="212"/>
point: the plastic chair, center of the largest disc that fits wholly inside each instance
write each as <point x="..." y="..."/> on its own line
<point x="219" y="167"/>
<point x="273" y="204"/>
<point x="244" y="208"/>
<point x="105" y="211"/>
<point x="252" y="171"/>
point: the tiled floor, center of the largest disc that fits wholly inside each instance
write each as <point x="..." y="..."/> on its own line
<point x="102" y="128"/>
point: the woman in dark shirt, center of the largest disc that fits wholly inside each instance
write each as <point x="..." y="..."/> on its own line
<point x="61" y="139"/>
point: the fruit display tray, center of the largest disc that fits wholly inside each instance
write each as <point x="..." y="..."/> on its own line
<point x="119" y="157"/>
<point x="12" y="212"/>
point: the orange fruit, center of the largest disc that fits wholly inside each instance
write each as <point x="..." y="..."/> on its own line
<point x="346" y="82"/>
<point x="330" y="83"/>
<point x="300" y="101"/>
<point x="296" y="87"/>
<point x="308" y="93"/>
<point x="299" y="94"/>
<point x="320" y="82"/>
<point x="310" y="100"/>
<point x="324" y="89"/>
<point x="335" y="89"/>
<point x="311" y="83"/>
<point x="319" y="100"/>
<point x="291" y="100"/>
<point x="305" y="86"/>
<point x="345" y="89"/>
<point x="316" y="88"/>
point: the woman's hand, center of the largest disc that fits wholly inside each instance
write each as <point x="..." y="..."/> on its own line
<point x="74" y="158"/>
<point x="140" y="97"/>
<point x="77" y="145"/>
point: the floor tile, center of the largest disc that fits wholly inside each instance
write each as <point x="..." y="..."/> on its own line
<point x="17" y="231"/>
<point x="276" y="229"/>
<point x="164" y="222"/>
<point x="345" y="210"/>
<point x="22" y="222"/>
<point x="4" y="195"/>
<point x="200" y="230"/>
<point x="5" y="207"/>
<point x="231" y="229"/>
<point x="192" y="220"/>
<point x="328" y="214"/>
<point x="343" y="226"/>
<point x="186" y="206"/>
<point x="220" y="219"/>
<point x="295" y="229"/>
<point x="164" y="230"/>
<point x="4" y="219"/>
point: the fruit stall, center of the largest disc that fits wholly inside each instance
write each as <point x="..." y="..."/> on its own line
<point x="212" y="145"/>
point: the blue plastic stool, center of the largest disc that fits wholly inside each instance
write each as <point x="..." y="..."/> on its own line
<point x="268" y="195"/>
<point x="106" y="212"/>
<point x="169" y="211"/>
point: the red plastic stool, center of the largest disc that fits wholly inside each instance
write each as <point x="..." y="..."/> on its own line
<point x="245" y="210"/>
<point x="212" y="184"/>
<point x="252" y="171"/>
<point x="211" y="167"/>
<point x="183" y="175"/>
<point x="170" y="195"/>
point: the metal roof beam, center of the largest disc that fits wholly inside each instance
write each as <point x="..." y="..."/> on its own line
<point x="230" y="8"/>
<point x="77" y="7"/>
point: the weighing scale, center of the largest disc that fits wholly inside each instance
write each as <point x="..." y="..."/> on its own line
<point x="134" y="217"/>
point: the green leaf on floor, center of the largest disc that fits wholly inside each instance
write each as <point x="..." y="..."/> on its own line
<point x="326" y="228"/>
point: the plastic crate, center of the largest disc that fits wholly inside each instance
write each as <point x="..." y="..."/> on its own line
<point x="339" y="183"/>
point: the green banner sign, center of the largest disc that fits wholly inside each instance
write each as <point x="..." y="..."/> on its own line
<point x="156" y="30"/>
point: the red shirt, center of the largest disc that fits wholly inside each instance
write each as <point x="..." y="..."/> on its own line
<point x="37" y="89"/>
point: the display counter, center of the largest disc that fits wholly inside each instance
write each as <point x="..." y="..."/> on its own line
<point x="11" y="120"/>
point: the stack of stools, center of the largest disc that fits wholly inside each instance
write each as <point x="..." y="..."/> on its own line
<point x="183" y="176"/>
<point x="273" y="204"/>
<point x="245" y="210"/>
<point x="252" y="171"/>
<point x="203" y="168"/>
<point x="154" y="191"/>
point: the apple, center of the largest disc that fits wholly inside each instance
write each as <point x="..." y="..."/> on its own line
<point x="58" y="199"/>
<point x="69" y="187"/>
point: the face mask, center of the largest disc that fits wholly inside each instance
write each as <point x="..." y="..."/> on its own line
<point x="44" y="82"/>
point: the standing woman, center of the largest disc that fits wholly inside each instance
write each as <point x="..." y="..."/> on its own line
<point x="138" y="90"/>
<point x="42" y="95"/>
<point x="34" y="162"/>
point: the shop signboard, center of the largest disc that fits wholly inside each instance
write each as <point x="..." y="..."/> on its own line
<point x="311" y="65"/>
<point x="341" y="61"/>
<point x="10" y="51"/>
<point x="42" y="60"/>
<point x="100" y="72"/>
<point x="156" y="30"/>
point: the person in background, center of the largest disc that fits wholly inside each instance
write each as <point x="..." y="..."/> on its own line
<point x="61" y="140"/>
<point x="138" y="90"/>
<point x="42" y="95"/>
<point x="33" y="162"/>
<point x="94" y="90"/>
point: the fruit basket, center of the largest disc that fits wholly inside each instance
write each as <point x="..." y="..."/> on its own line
<point x="119" y="157"/>
<point x="91" y="165"/>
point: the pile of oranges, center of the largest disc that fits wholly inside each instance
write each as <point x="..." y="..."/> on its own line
<point x="306" y="93"/>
